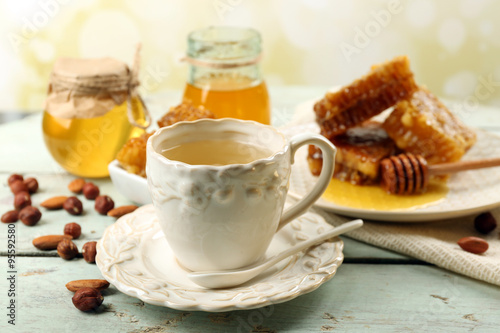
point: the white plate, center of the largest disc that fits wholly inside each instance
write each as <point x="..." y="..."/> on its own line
<point x="134" y="256"/>
<point x="470" y="192"/>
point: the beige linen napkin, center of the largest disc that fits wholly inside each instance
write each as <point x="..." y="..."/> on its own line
<point x="433" y="242"/>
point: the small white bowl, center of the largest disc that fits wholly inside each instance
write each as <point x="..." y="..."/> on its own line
<point x="133" y="187"/>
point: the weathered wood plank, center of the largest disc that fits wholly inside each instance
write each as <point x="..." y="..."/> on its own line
<point x="359" y="298"/>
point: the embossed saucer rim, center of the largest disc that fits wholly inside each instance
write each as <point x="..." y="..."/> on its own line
<point x="280" y="287"/>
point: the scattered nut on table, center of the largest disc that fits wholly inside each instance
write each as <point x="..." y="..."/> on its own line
<point x="98" y="284"/>
<point x="30" y="215"/>
<point x="122" y="210"/>
<point x="18" y="186"/>
<point x="12" y="178"/>
<point x="73" y="205"/>
<point x="66" y="249"/>
<point x="76" y="185"/>
<point x="103" y="204"/>
<point x="21" y="200"/>
<point x="49" y="242"/>
<point x="89" y="251"/>
<point x="32" y="184"/>
<point x="73" y="229"/>
<point x="10" y="217"/>
<point x="90" y="191"/>
<point x="86" y="299"/>
<point x="54" y="202"/>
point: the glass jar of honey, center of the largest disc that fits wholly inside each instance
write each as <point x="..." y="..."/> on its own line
<point x="91" y="110"/>
<point x="224" y="74"/>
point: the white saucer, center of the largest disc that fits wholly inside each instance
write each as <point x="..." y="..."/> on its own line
<point x="470" y="192"/>
<point x="134" y="256"/>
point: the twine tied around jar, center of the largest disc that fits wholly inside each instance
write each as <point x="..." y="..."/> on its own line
<point x="88" y="88"/>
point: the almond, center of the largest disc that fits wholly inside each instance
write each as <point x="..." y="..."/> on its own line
<point x="76" y="186"/>
<point x="93" y="283"/>
<point x="49" y="242"/>
<point x="474" y="245"/>
<point x="10" y="217"/>
<point x="54" y="202"/>
<point x="122" y="210"/>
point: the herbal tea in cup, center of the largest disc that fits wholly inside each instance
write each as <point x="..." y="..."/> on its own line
<point x="216" y="152"/>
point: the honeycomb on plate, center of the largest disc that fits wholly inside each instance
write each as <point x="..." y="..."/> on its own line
<point x="385" y="85"/>
<point x="184" y="112"/>
<point x="422" y="125"/>
<point x="359" y="152"/>
<point x="132" y="156"/>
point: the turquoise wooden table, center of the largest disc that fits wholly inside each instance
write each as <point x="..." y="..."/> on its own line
<point x="373" y="290"/>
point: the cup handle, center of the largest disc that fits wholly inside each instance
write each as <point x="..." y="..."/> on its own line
<point x="329" y="151"/>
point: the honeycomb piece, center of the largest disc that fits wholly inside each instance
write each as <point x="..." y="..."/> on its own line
<point x="385" y="85"/>
<point x="341" y="172"/>
<point x="184" y="112"/>
<point x="359" y="152"/>
<point x="422" y="125"/>
<point x="132" y="156"/>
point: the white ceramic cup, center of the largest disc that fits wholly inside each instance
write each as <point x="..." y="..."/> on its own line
<point x="224" y="217"/>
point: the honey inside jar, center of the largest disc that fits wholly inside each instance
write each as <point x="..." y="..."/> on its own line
<point x="91" y="110"/>
<point x="85" y="146"/>
<point x="235" y="97"/>
<point x="224" y="74"/>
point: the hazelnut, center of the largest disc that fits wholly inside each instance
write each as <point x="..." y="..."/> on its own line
<point x="73" y="229"/>
<point x="90" y="191"/>
<point x="103" y="204"/>
<point x="66" y="249"/>
<point x="21" y="200"/>
<point x="18" y="186"/>
<point x="13" y="178"/>
<point x="73" y="206"/>
<point x="30" y="215"/>
<point x="76" y="186"/>
<point x="89" y="252"/>
<point x="32" y="184"/>
<point x="485" y="223"/>
<point x="86" y="299"/>
<point x="10" y="217"/>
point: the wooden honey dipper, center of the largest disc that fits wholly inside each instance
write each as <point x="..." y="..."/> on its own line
<point x="408" y="173"/>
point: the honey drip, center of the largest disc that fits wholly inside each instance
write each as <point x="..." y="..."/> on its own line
<point x="375" y="198"/>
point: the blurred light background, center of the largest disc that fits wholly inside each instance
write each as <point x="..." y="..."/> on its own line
<point x="453" y="45"/>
